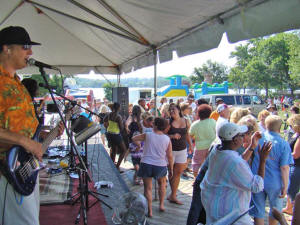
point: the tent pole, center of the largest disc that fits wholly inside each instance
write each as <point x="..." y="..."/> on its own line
<point x="155" y="105"/>
<point x="155" y="79"/>
<point x="118" y="80"/>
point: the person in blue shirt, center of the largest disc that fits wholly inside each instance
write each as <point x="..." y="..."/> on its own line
<point x="276" y="174"/>
<point x="87" y="114"/>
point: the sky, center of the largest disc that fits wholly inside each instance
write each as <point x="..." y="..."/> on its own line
<point x="184" y="65"/>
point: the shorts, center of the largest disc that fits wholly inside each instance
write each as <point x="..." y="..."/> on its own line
<point x="294" y="184"/>
<point x="179" y="156"/>
<point x="136" y="160"/>
<point x="198" y="159"/>
<point x="147" y="170"/>
<point x="259" y="202"/>
<point x="103" y="129"/>
<point x="114" y="139"/>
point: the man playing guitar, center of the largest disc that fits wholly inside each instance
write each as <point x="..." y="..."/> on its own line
<point x="18" y="124"/>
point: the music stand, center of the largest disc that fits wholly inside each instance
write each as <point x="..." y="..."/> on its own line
<point x="81" y="168"/>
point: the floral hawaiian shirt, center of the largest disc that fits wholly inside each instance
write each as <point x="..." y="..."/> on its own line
<point x="16" y="108"/>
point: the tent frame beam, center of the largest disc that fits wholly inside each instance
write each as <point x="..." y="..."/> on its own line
<point x="102" y="18"/>
<point x="87" y="22"/>
<point x="12" y="12"/>
<point x="122" y="20"/>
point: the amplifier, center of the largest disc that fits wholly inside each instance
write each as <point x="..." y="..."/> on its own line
<point x="120" y="95"/>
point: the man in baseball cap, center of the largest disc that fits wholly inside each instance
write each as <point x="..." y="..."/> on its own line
<point x="15" y="35"/>
<point x="215" y="115"/>
<point x="219" y="101"/>
<point x="224" y="113"/>
<point x="18" y="124"/>
<point x="229" y="178"/>
<point x="230" y="130"/>
<point x="15" y="48"/>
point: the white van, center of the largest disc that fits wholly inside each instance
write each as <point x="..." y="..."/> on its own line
<point x="237" y="100"/>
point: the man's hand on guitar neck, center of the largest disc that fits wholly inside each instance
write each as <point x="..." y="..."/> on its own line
<point x="44" y="134"/>
<point x="61" y="128"/>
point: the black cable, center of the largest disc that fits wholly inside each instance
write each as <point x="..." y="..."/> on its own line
<point x="3" y="212"/>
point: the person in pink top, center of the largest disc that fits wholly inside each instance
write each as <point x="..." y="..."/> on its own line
<point x="156" y="161"/>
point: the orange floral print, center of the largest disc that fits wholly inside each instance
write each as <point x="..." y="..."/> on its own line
<point x="16" y="108"/>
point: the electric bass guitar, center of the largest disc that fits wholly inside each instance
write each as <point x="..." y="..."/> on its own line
<point x="21" y="168"/>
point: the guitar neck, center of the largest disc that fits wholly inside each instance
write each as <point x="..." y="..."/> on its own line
<point x="55" y="131"/>
<point x="51" y="136"/>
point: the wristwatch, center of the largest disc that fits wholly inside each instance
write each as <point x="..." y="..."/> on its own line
<point x="251" y="149"/>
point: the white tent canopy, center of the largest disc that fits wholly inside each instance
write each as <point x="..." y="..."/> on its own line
<point x="116" y="36"/>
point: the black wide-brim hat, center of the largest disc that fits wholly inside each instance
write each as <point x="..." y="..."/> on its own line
<point x="15" y="35"/>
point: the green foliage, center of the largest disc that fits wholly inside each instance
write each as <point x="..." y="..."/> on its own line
<point x="270" y="62"/>
<point x="54" y="80"/>
<point x="108" y="90"/>
<point x="218" y="71"/>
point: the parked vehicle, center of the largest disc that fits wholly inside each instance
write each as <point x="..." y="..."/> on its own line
<point x="237" y="100"/>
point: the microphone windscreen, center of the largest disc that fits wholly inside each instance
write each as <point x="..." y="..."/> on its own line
<point x="31" y="62"/>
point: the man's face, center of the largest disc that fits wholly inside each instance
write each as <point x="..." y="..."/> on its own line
<point x="143" y="103"/>
<point x="190" y="100"/>
<point x="18" y="55"/>
<point x="239" y="139"/>
<point x="220" y="102"/>
<point x="225" y="113"/>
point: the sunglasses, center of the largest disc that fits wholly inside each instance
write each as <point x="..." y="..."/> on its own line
<point x="26" y="47"/>
<point x="240" y="135"/>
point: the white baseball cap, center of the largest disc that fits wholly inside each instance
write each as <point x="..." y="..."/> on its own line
<point x="221" y="107"/>
<point x="229" y="130"/>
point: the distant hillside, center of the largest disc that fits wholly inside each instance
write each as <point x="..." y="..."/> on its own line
<point x="126" y="82"/>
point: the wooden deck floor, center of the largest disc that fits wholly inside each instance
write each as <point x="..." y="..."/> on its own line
<point x="174" y="214"/>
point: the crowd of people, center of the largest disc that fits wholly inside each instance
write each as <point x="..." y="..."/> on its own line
<point x="238" y="161"/>
<point x="252" y="159"/>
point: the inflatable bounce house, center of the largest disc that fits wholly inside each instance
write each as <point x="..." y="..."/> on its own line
<point x="205" y="88"/>
<point x="175" y="89"/>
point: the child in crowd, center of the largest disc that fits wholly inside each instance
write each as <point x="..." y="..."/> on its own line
<point x="136" y="151"/>
<point x="156" y="161"/>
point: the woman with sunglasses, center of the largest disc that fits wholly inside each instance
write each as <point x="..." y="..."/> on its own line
<point x="253" y="130"/>
<point x="179" y="136"/>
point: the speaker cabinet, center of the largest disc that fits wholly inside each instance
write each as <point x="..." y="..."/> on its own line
<point x="120" y="95"/>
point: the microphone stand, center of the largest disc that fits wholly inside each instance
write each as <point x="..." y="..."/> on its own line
<point x="84" y="176"/>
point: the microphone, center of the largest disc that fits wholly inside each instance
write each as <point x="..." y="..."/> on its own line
<point x="33" y="62"/>
<point x="45" y="86"/>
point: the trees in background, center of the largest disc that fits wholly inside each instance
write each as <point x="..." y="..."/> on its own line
<point x="218" y="71"/>
<point x="108" y="90"/>
<point x="54" y="80"/>
<point x="270" y="62"/>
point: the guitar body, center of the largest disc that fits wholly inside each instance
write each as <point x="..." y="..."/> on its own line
<point x="21" y="169"/>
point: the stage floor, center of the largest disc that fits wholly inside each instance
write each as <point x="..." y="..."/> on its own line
<point x="102" y="169"/>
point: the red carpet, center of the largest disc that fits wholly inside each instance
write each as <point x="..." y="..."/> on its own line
<point x="66" y="214"/>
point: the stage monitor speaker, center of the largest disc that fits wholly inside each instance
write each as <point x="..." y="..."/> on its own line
<point x="120" y="95"/>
